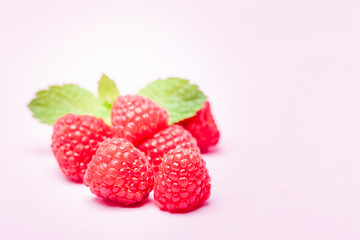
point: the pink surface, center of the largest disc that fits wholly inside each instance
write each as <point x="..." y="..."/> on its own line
<point x="283" y="79"/>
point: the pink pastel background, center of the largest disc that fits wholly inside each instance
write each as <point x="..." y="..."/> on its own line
<point x="283" y="78"/>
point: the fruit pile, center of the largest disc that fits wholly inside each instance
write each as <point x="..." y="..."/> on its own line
<point x="123" y="147"/>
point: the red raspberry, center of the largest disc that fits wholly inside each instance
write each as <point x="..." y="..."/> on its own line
<point x="119" y="172"/>
<point x="74" y="142"/>
<point x="203" y="127"/>
<point x="182" y="182"/>
<point x="165" y="140"/>
<point x="136" y="118"/>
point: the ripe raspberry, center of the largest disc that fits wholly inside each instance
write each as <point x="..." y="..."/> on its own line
<point x="165" y="140"/>
<point x="119" y="172"/>
<point x="203" y="127"/>
<point x="182" y="182"/>
<point x="135" y="118"/>
<point x="75" y="140"/>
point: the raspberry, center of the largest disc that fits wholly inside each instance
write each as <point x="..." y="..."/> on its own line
<point x="74" y="142"/>
<point x="119" y="172"/>
<point x="182" y="183"/>
<point x="203" y="127"/>
<point x="135" y="118"/>
<point x="165" y="140"/>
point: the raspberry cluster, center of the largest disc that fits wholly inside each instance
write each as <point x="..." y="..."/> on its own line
<point x="138" y="153"/>
<point x="183" y="182"/>
<point x="119" y="172"/>
<point x="136" y="118"/>
<point x="162" y="142"/>
<point x="74" y="142"/>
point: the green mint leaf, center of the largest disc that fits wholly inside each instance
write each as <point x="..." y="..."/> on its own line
<point x="107" y="91"/>
<point x="50" y="104"/>
<point x="180" y="98"/>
